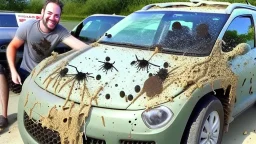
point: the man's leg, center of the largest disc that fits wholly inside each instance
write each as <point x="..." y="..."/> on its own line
<point x="4" y="97"/>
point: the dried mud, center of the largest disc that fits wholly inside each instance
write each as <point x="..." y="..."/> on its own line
<point x="68" y="121"/>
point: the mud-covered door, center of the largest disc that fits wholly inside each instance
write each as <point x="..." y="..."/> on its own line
<point x="242" y="30"/>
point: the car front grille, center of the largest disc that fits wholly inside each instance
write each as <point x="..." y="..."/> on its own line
<point x="136" y="142"/>
<point x="40" y="134"/>
<point x="46" y="136"/>
<point x="93" y="141"/>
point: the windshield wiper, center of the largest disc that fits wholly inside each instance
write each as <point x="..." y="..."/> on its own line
<point x="124" y="44"/>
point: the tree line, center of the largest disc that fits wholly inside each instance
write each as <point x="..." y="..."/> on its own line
<point x="78" y="9"/>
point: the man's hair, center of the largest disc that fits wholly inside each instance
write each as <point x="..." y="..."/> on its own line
<point x="58" y="2"/>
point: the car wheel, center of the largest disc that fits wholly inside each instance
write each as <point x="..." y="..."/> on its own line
<point x="207" y="125"/>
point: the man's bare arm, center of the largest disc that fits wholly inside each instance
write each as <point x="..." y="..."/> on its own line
<point x="75" y="43"/>
<point x="12" y="48"/>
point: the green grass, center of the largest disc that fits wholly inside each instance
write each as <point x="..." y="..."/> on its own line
<point x="73" y="17"/>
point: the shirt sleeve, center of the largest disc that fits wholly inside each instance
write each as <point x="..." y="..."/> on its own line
<point x="22" y="30"/>
<point x="63" y="33"/>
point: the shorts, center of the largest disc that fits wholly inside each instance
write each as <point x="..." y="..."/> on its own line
<point x="2" y="70"/>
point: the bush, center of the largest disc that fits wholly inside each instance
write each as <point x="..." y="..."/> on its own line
<point x="35" y="6"/>
<point x="79" y="9"/>
<point x="13" y="5"/>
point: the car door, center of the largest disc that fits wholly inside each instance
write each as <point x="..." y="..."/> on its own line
<point x="242" y="30"/>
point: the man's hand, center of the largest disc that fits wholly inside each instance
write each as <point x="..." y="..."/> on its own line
<point x="16" y="78"/>
<point x="75" y="43"/>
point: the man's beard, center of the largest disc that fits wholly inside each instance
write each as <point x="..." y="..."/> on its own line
<point x="45" y="21"/>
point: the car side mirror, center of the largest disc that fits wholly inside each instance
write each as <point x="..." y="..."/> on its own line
<point x="240" y="49"/>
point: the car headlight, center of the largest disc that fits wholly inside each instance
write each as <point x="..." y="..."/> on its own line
<point x="157" y="117"/>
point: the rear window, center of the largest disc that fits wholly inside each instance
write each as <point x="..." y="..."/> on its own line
<point x="7" y="20"/>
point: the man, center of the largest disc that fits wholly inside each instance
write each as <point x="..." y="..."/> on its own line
<point x="39" y="38"/>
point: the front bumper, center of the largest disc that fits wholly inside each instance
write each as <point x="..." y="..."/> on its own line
<point x="104" y="126"/>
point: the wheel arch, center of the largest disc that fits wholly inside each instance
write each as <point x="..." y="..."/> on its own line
<point x="223" y="96"/>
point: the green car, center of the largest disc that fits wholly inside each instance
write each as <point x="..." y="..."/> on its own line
<point x="169" y="73"/>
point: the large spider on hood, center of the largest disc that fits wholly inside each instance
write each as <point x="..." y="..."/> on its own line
<point x="79" y="77"/>
<point x="144" y="64"/>
<point x="106" y="66"/>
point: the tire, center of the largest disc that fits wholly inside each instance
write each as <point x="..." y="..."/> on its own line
<point x="207" y="124"/>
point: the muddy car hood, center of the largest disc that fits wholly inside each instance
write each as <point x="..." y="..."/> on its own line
<point x="116" y="77"/>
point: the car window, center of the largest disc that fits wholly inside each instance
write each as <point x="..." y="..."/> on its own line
<point x="7" y="20"/>
<point x="241" y="30"/>
<point x="94" y="27"/>
<point x="177" y="32"/>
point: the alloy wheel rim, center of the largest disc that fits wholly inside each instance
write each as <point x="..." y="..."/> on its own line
<point x="211" y="129"/>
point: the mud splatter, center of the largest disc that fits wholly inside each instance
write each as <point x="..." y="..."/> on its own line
<point x="244" y="82"/>
<point x="191" y="75"/>
<point x="58" y="73"/>
<point x="186" y="74"/>
<point x="103" y="121"/>
<point x="26" y="102"/>
<point x="122" y="94"/>
<point x="166" y="65"/>
<point x="137" y="88"/>
<point x="68" y="122"/>
<point x="45" y="63"/>
<point x="152" y="86"/>
<point x="251" y="91"/>
<point x="130" y="97"/>
<point x="98" y="77"/>
<point x="31" y="110"/>
<point x="107" y="59"/>
<point x="107" y="96"/>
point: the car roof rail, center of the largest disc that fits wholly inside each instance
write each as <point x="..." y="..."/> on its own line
<point x="148" y="6"/>
<point x="234" y="6"/>
<point x="228" y="7"/>
<point x="186" y="4"/>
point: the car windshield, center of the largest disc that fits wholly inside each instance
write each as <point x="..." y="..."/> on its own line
<point x="92" y="28"/>
<point x="175" y="32"/>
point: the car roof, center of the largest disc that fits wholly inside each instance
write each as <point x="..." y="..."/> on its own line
<point x="202" y="6"/>
<point x="7" y="12"/>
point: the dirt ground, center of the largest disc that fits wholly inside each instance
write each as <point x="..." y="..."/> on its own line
<point x="241" y="131"/>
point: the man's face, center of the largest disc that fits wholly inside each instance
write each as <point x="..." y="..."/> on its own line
<point x="51" y="16"/>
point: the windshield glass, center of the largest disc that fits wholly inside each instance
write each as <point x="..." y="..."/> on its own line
<point x="176" y="32"/>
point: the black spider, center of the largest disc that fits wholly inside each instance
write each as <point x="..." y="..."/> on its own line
<point x="107" y="66"/>
<point x="59" y="75"/>
<point x="162" y="74"/>
<point x="80" y="76"/>
<point x="142" y="64"/>
<point x="63" y="72"/>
